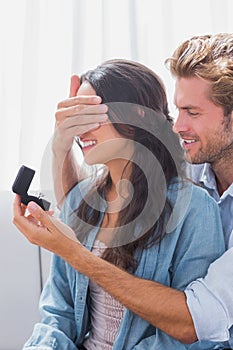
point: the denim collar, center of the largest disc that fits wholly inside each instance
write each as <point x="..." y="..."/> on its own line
<point x="207" y="177"/>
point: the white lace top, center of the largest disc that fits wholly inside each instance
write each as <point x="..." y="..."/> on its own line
<point x="106" y="313"/>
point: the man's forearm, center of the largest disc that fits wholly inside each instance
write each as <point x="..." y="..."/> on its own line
<point x="162" y="306"/>
<point x="65" y="175"/>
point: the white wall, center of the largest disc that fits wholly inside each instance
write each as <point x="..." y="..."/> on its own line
<point x="20" y="280"/>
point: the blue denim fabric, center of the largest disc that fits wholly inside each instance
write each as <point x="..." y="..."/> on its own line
<point x="203" y="175"/>
<point x="194" y="240"/>
<point x="210" y="299"/>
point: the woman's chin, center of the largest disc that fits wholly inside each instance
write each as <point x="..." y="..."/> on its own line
<point x="90" y="160"/>
<point x="94" y="158"/>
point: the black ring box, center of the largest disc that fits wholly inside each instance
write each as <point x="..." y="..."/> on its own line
<point x="21" y="187"/>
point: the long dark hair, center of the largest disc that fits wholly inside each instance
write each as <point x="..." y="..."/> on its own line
<point x="138" y="110"/>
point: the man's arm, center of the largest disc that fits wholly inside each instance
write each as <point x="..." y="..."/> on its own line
<point x="163" y="307"/>
<point x="210" y="300"/>
<point x="74" y="116"/>
<point x="66" y="173"/>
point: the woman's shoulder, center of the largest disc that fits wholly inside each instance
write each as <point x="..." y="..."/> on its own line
<point x="74" y="198"/>
<point x="80" y="190"/>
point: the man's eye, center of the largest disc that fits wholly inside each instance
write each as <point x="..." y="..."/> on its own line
<point x="192" y="113"/>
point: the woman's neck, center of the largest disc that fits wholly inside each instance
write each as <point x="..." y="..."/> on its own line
<point x="119" y="170"/>
<point x="119" y="193"/>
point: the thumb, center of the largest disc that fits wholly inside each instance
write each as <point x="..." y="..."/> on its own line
<point x="74" y="85"/>
<point x="39" y="214"/>
<point x="51" y="223"/>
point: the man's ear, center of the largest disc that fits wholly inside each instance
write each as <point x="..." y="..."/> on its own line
<point x="74" y="85"/>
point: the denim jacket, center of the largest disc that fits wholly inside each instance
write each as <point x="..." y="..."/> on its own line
<point x="193" y="241"/>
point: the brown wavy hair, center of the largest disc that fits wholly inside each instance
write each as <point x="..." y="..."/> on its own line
<point x="138" y="110"/>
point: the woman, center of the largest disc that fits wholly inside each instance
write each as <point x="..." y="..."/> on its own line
<point x="137" y="213"/>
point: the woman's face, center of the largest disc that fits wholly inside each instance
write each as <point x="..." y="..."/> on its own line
<point x="103" y="145"/>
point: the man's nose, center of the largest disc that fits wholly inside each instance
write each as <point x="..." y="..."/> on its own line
<point x="181" y="124"/>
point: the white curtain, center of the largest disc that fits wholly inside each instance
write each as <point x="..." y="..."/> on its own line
<point x="35" y="64"/>
<point x="43" y="41"/>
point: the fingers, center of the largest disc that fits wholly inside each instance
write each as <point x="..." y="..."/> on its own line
<point x="52" y="224"/>
<point x="74" y="85"/>
<point x="82" y="100"/>
<point x="39" y="215"/>
<point x="81" y="110"/>
<point x="76" y="116"/>
<point x="64" y="137"/>
<point x="28" y="226"/>
<point x="17" y="206"/>
<point x="50" y="212"/>
<point x="70" y="128"/>
<point x="41" y="229"/>
<point x="78" y="121"/>
<point x="77" y="131"/>
<point x="32" y="220"/>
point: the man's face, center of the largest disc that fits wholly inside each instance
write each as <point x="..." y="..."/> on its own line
<point x="207" y="135"/>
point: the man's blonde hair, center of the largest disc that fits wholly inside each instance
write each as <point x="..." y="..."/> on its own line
<point x="209" y="57"/>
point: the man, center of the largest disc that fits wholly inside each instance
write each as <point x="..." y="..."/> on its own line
<point x="203" y="67"/>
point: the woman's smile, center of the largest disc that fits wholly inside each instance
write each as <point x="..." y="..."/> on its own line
<point x="86" y="144"/>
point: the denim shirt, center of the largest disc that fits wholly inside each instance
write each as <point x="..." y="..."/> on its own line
<point x="203" y="175"/>
<point x="194" y="240"/>
<point x="210" y="299"/>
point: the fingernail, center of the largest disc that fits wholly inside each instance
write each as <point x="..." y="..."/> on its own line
<point x="32" y="207"/>
<point x="96" y="125"/>
<point x="97" y="99"/>
<point x="103" y="117"/>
